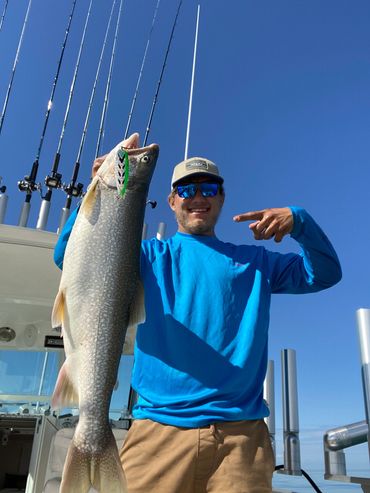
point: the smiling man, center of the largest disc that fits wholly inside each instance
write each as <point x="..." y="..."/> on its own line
<point x="201" y="355"/>
<point x="198" y="181"/>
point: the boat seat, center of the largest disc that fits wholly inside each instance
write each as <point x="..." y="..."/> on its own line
<point x="58" y="453"/>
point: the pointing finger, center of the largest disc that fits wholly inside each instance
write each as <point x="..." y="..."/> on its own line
<point x="248" y="216"/>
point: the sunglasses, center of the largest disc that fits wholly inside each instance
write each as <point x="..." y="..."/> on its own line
<point x="189" y="191"/>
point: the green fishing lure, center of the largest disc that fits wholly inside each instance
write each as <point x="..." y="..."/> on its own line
<point x="122" y="171"/>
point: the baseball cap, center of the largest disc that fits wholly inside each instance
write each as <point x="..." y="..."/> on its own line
<point x="195" y="166"/>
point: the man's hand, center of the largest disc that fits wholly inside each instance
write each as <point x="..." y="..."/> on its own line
<point x="269" y="223"/>
<point x="96" y="164"/>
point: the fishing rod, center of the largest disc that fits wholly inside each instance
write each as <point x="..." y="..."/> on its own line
<point x="15" y="63"/>
<point x="3" y="14"/>
<point x="53" y="180"/>
<point x="73" y="190"/>
<point x="109" y="81"/>
<point x="71" y="91"/>
<point x="140" y="74"/>
<point x="28" y="184"/>
<point x="192" y="84"/>
<point x="161" y="76"/>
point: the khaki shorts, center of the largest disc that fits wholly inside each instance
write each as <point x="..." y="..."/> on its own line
<point x="226" y="457"/>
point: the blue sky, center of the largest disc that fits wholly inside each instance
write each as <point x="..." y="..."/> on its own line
<point x="281" y="103"/>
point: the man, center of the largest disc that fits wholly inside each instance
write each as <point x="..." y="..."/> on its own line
<point x="201" y="355"/>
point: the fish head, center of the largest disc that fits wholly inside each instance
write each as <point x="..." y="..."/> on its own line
<point x="129" y="167"/>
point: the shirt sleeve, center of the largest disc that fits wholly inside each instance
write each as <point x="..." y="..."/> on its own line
<point x="61" y="245"/>
<point x="316" y="268"/>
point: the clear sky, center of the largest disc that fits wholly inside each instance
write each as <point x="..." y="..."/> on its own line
<point x="281" y="103"/>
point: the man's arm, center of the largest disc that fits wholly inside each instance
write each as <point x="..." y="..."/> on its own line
<point x="315" y="269"/>
<point x="61" y="245"/>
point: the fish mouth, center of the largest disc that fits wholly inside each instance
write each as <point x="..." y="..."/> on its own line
<point x="132" y="151"/>
<point x="118" y="179"/>
<point x="132" y="145"/>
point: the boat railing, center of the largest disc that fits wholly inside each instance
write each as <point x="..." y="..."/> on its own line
<point x="342" y="437"/>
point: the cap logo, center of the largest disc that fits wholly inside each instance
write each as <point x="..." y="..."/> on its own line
<point x="197" y="165"/>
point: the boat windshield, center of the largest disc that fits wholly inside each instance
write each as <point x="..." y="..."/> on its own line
<point x="27" y="380"/>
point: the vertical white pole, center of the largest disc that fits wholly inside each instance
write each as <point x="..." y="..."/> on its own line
<point x="192" y="84"/>
<point x="161" y="231"/>
<point x="363" y="322"/>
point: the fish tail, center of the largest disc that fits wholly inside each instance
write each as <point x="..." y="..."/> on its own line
<point x="101" y="470"/>
<point x="76" y="474"/>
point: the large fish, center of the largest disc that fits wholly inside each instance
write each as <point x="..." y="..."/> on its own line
<point x="100" y="296"/>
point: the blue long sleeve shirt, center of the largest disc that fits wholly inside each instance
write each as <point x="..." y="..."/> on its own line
<point x="201" y="355"/>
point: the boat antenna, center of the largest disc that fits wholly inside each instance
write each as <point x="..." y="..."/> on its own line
<point x="28" y="184"/>
<point x="71" y="189"/>
<point x="140" y="74"/>
<point x="109" y="81"/>
<point x="192" y="84"/>
<point x="161" y="75"/>
<point x="15" y="63"/>
<point x="53" y="180"/>
<point x="3" y="14"/>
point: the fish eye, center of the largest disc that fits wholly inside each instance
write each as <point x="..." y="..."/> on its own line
<point x="145" y="159"/>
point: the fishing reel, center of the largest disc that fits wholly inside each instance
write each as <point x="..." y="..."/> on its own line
<point x="3" y="188"/>
<point x="72" y="189"/>
<point x="54" y="180"/>
<point x="28" y="184"/>
<point x="152" y="203"/>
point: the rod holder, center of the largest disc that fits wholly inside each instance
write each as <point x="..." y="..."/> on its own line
<point x="161" y="231"/>
<point x="63" y="218"/>
<point x="363" y="323"/>
<point x="335" y="463"/>
<point x="25" y="213"/>
<point x="292" y="456"/>
<point x="269" y="396"/>
<point x="43" y="215"/>
<point x="3" y="206"/>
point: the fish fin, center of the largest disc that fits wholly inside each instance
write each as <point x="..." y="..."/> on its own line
<point x="65" y="393"/>
<point x="58" y="314"/>
<point x="137" y="310"/>
<point x="90" y="197"/>
<point x="102" y="470"/>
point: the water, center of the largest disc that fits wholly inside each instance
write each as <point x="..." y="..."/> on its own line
<point x="301" y="485"/>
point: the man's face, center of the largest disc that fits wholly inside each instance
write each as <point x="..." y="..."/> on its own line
<point x="197" y="215"/>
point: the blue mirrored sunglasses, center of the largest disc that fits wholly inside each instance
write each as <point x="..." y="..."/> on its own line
<point x="189" y="191"/>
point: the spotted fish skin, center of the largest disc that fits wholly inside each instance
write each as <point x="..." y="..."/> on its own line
<point x="100" y="296"/>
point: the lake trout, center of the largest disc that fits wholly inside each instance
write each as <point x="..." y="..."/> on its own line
<point x="100" y="296"/>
